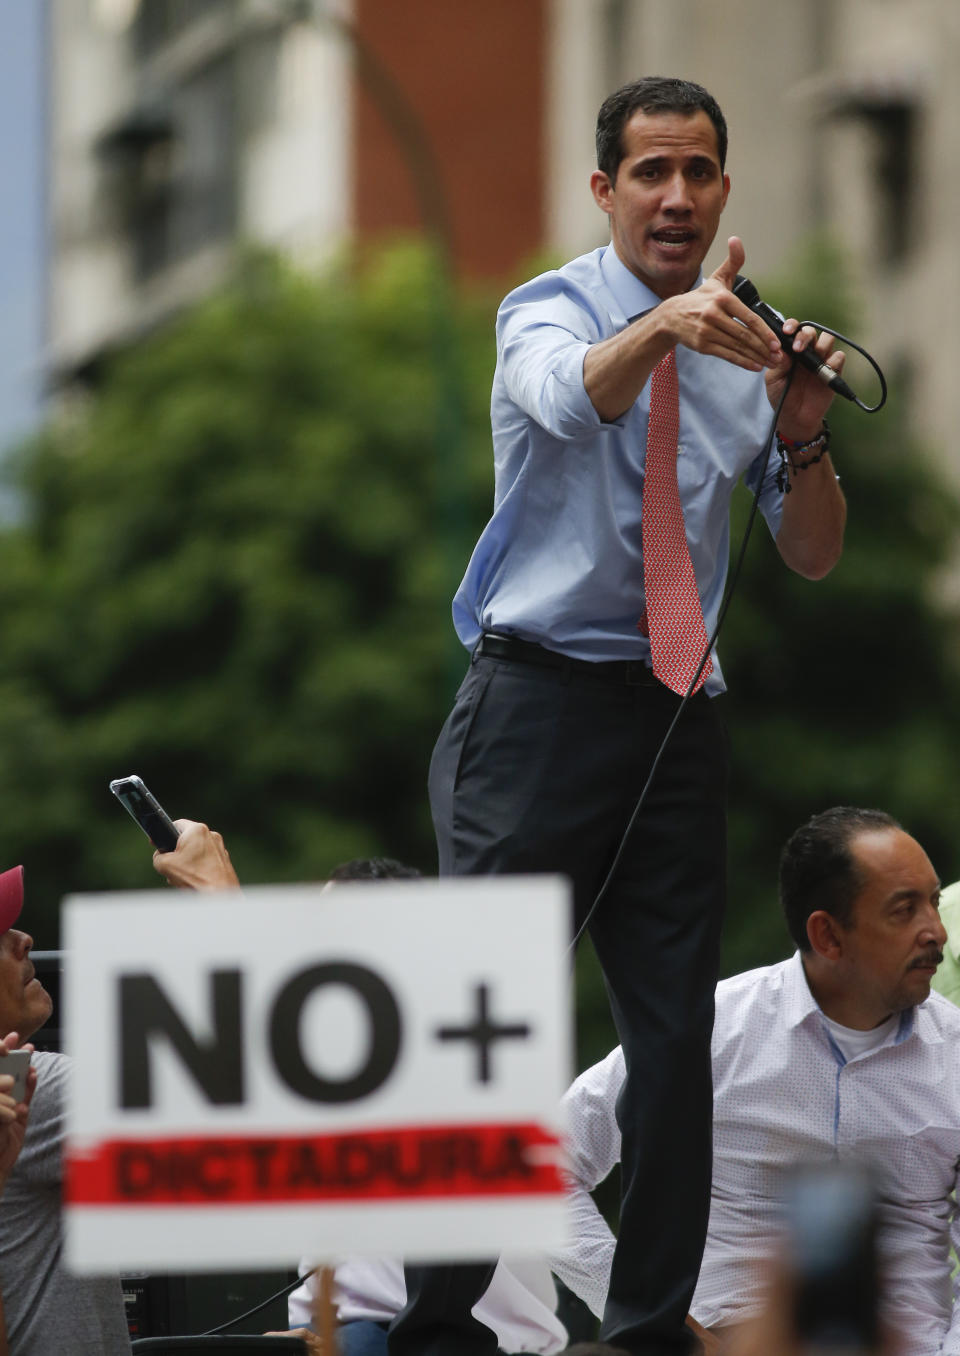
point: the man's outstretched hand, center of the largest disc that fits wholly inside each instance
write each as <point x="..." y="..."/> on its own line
<point x="711" y="320"/>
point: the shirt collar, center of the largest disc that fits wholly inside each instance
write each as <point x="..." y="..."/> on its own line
<point x="632" y="296"/>
<point x="799" y="1003"/>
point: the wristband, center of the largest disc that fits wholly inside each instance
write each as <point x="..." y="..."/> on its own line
<point x="786" y="447"/>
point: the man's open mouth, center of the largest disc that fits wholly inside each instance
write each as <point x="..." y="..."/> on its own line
<point x="674" y="237"/>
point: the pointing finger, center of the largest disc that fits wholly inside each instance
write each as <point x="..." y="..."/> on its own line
<point x="731" y="266"/>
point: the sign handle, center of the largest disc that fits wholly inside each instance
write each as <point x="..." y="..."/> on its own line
<point x="324" y="1313"/>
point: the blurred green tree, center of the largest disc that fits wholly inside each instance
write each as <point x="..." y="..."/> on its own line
<point x="233" y="575"/>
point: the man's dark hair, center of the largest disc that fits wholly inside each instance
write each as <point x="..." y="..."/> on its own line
<point x="819" y="871"/>
<point x="373" y="868"/>
<point x="652" y="94"/>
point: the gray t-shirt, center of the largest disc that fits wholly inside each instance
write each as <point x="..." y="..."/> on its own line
<point x="47" y="1310"/>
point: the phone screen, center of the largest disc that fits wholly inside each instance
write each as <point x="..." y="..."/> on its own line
<point x="147" y="811"/>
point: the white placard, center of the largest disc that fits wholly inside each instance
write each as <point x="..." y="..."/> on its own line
<point x="372" y="1069"/>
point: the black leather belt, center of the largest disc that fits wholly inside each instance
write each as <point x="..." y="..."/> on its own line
<point x="631" y="672"/>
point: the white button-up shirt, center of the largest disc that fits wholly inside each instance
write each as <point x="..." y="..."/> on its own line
<point x="785" y="1095"/>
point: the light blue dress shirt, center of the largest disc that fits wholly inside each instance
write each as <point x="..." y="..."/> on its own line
<point x="561" y="560"/>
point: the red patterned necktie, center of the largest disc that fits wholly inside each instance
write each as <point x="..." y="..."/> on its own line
<point x="678" y="637"/>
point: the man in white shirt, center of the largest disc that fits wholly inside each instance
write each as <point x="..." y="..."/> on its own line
<point x="841" y="1053"/>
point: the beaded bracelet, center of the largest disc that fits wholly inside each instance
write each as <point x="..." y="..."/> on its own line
<point x="786" y="447"/>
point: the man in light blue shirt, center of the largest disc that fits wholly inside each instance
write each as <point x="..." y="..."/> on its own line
<point x="560" y="717"/>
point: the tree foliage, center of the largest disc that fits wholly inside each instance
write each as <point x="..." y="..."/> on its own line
<point x="232" y="575"/>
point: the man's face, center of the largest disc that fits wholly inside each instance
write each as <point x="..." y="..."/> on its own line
<point x="24" y="1003"/>
<point x="895" y="942"/>
<point x="665" y="204"/>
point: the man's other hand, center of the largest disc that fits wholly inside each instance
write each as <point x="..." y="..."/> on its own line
<point x="311" y="1341"/>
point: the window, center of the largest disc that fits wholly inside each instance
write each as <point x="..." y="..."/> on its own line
<point x="160" y="21"/>
<point x="177" y="165"/>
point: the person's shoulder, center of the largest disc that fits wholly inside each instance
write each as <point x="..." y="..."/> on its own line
<point x="751" y="983"/>
<point x="53" y="1062"/>
<point x="942" y="1013"/>
<point x="584" y="271"/>
<point x="53" y="1073"/>
<point x="950" y="910"/>
<point x="51" y="1066"/>
<point x="39" y="1161"/>
<point x="600" y="1080"/>
<point x="572" y="284"/>
<point x="748" y="1004"/>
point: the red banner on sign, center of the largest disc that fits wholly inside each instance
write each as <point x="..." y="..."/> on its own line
<point x="400" y="1164"/>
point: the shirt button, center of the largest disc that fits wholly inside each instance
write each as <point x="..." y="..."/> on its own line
<point x="679" y="449"/>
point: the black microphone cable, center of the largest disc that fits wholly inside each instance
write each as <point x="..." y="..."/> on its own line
<point x="724" y="607"/>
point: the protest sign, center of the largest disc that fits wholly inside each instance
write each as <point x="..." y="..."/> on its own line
<point x="369" y="1069"/>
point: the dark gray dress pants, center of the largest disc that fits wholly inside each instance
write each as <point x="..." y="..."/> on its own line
<point x="539" y="770"/>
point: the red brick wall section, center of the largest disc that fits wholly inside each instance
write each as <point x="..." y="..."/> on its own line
<point x="472" y="70"/>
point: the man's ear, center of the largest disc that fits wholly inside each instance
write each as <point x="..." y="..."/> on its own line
<point x="602" y="190"/>
<point x="825" y="935"/>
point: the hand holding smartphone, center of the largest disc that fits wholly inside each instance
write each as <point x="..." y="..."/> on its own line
<point x="147" y="811"/>
<point x="17" y="1063"/>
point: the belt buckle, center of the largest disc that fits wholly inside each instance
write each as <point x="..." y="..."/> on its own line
<point x="638" y="673"/>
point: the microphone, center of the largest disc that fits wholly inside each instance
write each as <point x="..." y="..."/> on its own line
<point x="744" y="290"/>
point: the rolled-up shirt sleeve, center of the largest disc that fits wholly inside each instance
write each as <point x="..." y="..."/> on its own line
<point x="594" y="1149"/>
<point x="543" y="335"/>
<point x="767" y="465"/>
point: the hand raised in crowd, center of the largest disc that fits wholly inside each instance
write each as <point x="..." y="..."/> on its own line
<point x="200" y="861"/>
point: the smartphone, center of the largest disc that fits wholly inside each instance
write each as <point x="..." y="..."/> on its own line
<point x="147" y="811"/>
<point x="831" y="1218"/>
<point x="16" y="1062"/>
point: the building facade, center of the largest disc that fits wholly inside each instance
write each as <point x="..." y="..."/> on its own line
<point x="180" y="129"/>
